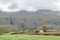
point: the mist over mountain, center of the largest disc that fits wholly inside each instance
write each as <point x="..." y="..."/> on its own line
<point x="29" y="15"/>
<point x="40" y="12"/>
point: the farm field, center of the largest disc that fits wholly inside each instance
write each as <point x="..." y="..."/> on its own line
<point x="28" y="37"/>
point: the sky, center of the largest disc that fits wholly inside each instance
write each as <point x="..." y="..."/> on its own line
<point x="29" y="5"/>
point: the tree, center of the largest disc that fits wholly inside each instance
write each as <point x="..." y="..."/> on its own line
<point x="44" y="27"/>
<point x="11" y="20"/>
<point x="22" y="24"/>
<point x="35" y="27"/>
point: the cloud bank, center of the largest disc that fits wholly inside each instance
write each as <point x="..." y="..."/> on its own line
<point x="29" y="5"/>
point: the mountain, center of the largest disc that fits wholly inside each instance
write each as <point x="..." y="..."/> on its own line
<point x="32" y="19"/>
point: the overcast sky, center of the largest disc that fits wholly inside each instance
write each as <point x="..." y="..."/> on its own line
<point x="29" y="5"/>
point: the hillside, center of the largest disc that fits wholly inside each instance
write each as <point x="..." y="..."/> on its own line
<point x="35" y="19"/>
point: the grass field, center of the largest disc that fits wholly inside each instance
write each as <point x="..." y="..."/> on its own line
<point x="28" y="37"/>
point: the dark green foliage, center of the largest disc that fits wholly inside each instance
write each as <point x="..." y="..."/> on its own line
<point x="44" y="27"/>
<point x="36" y="31"/>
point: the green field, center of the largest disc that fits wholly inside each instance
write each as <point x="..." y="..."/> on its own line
<point x="28" y="37"/>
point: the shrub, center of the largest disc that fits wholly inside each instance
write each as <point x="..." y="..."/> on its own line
<point x="36" y="31"/>
<point x="44" y="27"/>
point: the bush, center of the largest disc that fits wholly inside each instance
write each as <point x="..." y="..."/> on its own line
<point x="36" y="31"/>
<point x="44" y="27"/>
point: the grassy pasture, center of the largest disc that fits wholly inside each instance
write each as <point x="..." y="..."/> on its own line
<point x="28" y="37"/>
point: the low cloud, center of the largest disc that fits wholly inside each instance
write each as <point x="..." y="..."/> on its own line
<point x="29" y="5"/>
